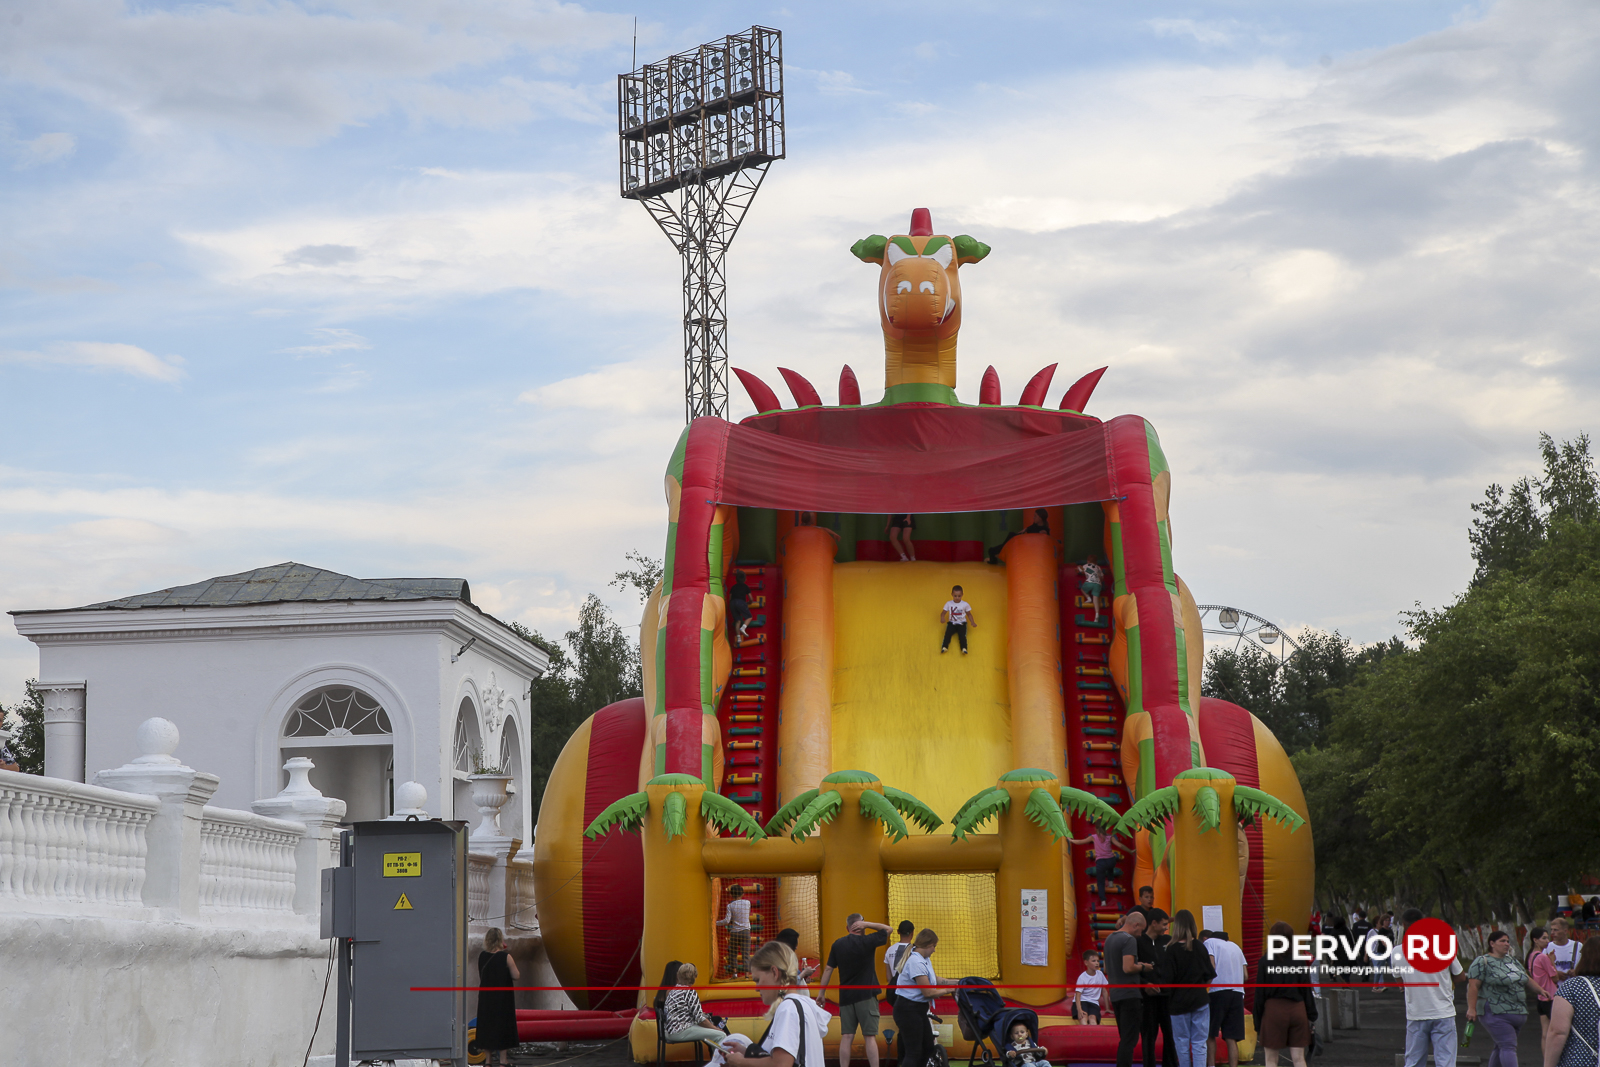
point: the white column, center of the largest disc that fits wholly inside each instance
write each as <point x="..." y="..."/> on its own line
<point x="172" y="862"/>
<point x="63" y="729"/>
<point x="304" y="803"/>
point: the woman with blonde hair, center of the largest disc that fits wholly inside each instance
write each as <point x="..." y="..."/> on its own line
<point x="913" y="997"/>
<point x="794" y="1036"/>
<point x="497" y="1003"/>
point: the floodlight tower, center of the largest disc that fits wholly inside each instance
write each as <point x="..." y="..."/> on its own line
<point x="698" y="131"/>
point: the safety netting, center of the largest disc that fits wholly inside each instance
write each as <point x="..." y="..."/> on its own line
<point x="775" y="904"/>
<point x="960" y="908"/>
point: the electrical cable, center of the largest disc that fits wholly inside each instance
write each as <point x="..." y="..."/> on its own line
<point x="305" y="1061"/>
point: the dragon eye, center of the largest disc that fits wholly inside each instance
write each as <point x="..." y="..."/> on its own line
<point x="924" y="287"/>
<point x="904" y="287"/>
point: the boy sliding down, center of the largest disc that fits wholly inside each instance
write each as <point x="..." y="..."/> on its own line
<point x="956" y="615"/>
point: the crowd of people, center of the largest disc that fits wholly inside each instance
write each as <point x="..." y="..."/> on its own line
<point x="1166" y="984"/>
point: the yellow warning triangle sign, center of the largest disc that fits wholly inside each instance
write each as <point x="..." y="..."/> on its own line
<point x="402" y="904"/>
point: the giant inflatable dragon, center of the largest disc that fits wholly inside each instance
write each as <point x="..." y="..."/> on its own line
<point x="810" y="764"/>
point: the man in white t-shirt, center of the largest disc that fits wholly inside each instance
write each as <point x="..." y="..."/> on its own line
<point x="1430" y="1005"/>
<point x="956" y="615"/>
<point x="737" y="920"/>
<point x="1562" y="950"/>
<point x="1227" y="996"/>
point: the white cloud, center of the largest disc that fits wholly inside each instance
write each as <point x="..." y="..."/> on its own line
<point x="1207" y="33"/>
<point x="46" y="148"/>
<point x="334" y="339"/>
<point x="300" y="71"/>
<point x="102" y="355"/>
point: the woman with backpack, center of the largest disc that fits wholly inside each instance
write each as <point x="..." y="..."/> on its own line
<point x="794" y="1036"/>
<point x="1574" y="1036"/>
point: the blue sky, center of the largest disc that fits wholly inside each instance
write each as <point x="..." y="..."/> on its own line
<point x="349" y="282"/>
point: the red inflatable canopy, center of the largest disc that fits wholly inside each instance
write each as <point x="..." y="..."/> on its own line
<point x="917" y="459"/>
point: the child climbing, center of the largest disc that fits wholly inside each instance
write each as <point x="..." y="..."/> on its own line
<point x="1093" y="581"/>
<point x="739" y="601"/>
<point x="899" y="528"/>
<point x="1022" y="1048"/>
<point x="956" y="615"/>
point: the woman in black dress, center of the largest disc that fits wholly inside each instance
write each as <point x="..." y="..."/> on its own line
<point x="497" y="1004"/>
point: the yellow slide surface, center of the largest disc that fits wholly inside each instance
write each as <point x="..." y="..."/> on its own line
<point x="937" y="726"/>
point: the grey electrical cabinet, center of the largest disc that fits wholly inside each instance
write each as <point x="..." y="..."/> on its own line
<point x="406" y="890"/>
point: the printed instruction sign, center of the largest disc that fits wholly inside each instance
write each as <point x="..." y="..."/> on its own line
<point x="1036" y="927"/>
<point x="1211" y="919"/>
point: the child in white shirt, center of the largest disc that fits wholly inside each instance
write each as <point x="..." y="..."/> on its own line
<point x="956" y="615"/>
<point x="1086" y="998"/>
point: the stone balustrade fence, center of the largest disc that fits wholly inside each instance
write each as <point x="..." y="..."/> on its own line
<point x="520" y="911"/>
<point x="67" y="843"/>
<point x="247" y="861"/>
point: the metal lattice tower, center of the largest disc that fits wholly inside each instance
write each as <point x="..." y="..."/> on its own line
<point x="698" y="132"/>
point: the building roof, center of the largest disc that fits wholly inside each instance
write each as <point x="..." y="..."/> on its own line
<point x="289" y="583"/>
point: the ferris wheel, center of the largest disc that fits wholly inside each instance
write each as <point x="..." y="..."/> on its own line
<point x="1245" y="628"/>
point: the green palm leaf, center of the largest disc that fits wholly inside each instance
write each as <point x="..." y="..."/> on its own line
<point x="979" y="810"/>
<point x="1044" y="811"/>
<point x="822" y="809"/>
<point x="787" y="814"/>
<point x="1208" y="806"/>
<point x="874" y="805"/>
<point x="718" y="809"/>
<point x="913" y="809"/>
<point x="674" y="814"/>
<point x="627" y="813"/>
<point x="1091" y="807"/>
<point x="1253" y="802"/>
<point x="1150" y="812"/>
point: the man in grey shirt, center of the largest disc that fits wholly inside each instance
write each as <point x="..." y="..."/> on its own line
<point x="1124" y="973"/>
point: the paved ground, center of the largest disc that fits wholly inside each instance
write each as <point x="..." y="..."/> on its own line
<point x="1381" y="1036"/>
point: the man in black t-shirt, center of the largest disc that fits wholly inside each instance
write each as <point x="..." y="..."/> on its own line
<point x="852" y="955"/>
<point x="1157" y="1016"/>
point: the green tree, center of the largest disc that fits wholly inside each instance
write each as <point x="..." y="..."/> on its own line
<point x="641" y="577"/>
<point x="26" y="721"/>
<point x="596" y="665"/>
<point x="1512" y="524"/>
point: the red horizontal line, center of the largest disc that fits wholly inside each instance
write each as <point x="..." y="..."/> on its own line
<point x="953" y="988"/>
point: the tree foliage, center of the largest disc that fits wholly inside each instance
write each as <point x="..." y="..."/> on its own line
<point x="598" y="664"/>
<point x="1461" y="775"/>
<point x="26" y="722"/>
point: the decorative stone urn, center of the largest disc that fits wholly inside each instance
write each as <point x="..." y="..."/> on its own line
<point x="489" y="796"/>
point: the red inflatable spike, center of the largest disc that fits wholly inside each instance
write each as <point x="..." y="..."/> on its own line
<point x="805" y="394"/>
<point x="1038" y="385"/>
<point x="921" y="223"/>
<point x="1078" y="395"/>
<point x="762" y="397"/>
<point x="989" y="391"/>
<point x="849" y="388"/>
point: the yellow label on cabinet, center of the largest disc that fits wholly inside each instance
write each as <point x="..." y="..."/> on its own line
<point x="402" y="864"/>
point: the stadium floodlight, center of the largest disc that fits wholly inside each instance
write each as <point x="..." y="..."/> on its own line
<point x="698" y="131"/>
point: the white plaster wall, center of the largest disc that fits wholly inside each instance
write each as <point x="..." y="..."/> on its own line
<point x="219" y="690"/>
<point x="163" y="994"/>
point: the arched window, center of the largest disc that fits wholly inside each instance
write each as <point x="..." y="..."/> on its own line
<point x="337" y="711"/>
<point x="349" y="738"/>
<point x="467" y="750"/>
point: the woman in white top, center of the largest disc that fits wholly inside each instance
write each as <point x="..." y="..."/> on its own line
<point x="914" y="992"/>
<point x="794" y="1037"/>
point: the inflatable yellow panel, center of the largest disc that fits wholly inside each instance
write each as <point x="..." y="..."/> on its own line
<point x="1288" y="860"/>
<point x="937" y="726"/>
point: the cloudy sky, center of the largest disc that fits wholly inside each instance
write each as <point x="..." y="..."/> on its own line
<point x="348" y="282"/>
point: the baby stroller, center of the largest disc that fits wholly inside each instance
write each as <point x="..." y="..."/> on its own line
<point x="986" y="1020"/>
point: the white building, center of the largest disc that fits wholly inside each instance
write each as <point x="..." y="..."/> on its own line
<point x="378" y="680"/>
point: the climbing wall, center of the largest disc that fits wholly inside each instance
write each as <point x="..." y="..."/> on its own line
<point x="748" y="716"/>
<point x="1094" y="735"/>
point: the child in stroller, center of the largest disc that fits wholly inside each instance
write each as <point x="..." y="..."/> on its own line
<point x="1022" y="1048"/>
